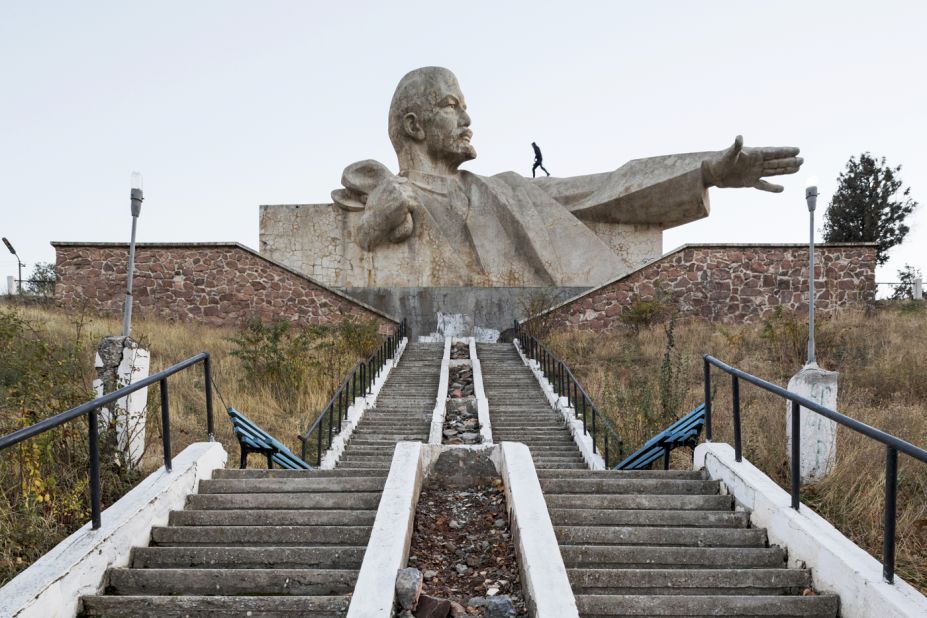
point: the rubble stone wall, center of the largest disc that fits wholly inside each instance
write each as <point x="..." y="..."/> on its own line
<point x="220" y="284"/>
<point x="729" y="284"/>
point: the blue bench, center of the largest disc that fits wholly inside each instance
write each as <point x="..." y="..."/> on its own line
<point x="683" y="432"/>
<point x="253" y="439"/>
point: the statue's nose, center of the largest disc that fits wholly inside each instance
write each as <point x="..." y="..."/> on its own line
<point x="464" y="120"/>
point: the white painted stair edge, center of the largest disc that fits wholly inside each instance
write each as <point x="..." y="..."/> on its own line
<point x="356" y="411"/>
<point x="53" y="584"/>
<point x="583" y="440"/>
<point x="837" y="564"/>
<point x="479" y="392"/>
<point x="435" y="434"/>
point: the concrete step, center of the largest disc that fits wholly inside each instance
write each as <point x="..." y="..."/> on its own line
<point x="258" y="536"/>
<point x="624" y="474"/>
<point x="222" y="582"/>
<point x="560" y="466"/>
<point x="629" y="486"/>
<point x="276" y="473"/>
<point x="706" y="605"/>
<point x="650" y="557"/>
<point x="214" y="607"/>
<point x="660" y="536"/>
<point x="273" y="518"/>
<point x="637" y="501"/>
<point x="293" y="485"/>
<point x="609" y="517"/>
<point x="314" y="557"/>
<point x="329" y="501"/>
<point x="689" y="581"/>
<point x="354" y="465"/>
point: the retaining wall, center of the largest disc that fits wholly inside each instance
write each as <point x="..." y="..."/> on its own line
<point x="729" y="284"/>
<point x="223" y="284"/>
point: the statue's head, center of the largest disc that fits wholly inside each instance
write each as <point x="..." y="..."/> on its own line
<point x="428" y="122"/>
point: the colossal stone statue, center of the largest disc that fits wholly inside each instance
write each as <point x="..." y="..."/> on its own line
<point x="434" y="225"/>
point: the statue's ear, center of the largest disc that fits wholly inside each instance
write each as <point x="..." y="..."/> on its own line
<point x="412" y="127"/>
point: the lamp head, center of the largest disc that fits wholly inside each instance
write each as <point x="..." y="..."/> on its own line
<point x="811" y="193"/>
<point x="135" y="181"/>
<point x="9" y="246"/>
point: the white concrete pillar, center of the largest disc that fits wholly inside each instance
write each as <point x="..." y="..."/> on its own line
<point x="918" y="289"/>
<point x="10" y="285"/>
<point x="120" y="362"/>
<point x="818" y="435"/>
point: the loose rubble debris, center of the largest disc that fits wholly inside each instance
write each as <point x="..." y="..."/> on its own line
<point x="463" y="548"/>
<point x="460" y="382"/>
<point x="460" y="351"/>
<point x="461" y="425"/>
<point x="461" y="422"/>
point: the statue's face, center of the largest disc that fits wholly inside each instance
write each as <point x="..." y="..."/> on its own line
<point x="447" y="127"/>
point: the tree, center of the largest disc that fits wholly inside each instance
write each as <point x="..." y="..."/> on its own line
<point x="869" y="205"/>
<point x="42" y="280"/>
<point x="905" y="289"/>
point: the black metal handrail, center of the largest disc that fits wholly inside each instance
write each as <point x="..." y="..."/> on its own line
<point x="566" y="385"/>
<point x="893" y="445"/>
<point x="359" y="380"/>
<point x="92" y="408"/>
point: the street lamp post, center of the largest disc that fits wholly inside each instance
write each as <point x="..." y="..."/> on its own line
<point x="811" y="196"/>
<point x="136" y="198"/>
<point x="19" y="286"/>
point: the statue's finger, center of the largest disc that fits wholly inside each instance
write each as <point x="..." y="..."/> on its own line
<point x="738" y="143"/>
<point x="762" y="185"/>
<point x="778" y="152"/>
<point x="789" y="162"/>
<point x="779" y="171"/>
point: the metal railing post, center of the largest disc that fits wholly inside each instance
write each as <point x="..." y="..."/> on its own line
<point x="891" y="495"/>
<point x="593" y="429"/>
<point x="735" y="398"/>
<point x="707" y="401"/>
<point x="207" y="385"/>
<point x="93" y="437"/>
<point x="796" y="455"/>
<point x="165" y="424"/>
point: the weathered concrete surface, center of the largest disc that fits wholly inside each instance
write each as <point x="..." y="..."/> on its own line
<point x="53" y="585"/>
<point x="120" y="361"/>
<point x="547" y="586"/>
<point x="388" y="547"/>
<point x="482" y="312"/>
<point x="837" y="564"/>
<point x="817" y="434"/>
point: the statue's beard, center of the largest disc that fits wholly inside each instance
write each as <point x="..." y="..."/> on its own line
<point x="454" y="149"/>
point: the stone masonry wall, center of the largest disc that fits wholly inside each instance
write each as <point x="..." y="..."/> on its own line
<point x="219" y="284"/>
<point x="730" y="284"/>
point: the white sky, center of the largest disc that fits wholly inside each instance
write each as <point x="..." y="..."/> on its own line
<point x="225" y="105"/>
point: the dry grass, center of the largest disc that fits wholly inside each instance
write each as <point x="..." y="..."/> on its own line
<point x="170" y="343"/>
<point x="29" y="528"/>
<point x="880" y="355"/>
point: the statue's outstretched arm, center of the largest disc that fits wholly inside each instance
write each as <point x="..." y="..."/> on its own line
<point x="669" y="190"/>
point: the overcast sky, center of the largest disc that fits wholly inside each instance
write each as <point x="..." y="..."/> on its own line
<point x="225" y="105"/>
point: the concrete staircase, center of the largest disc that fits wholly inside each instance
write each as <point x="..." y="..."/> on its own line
<point x="252" y="542"/>
<point x="277" y="542"/>
<point x="519" y="411"/>
<point x="644" y="543"/>
<point x="403" y="409"/>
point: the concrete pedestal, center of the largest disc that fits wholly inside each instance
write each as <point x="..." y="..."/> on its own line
<point x="120" y="362"/>
<point x="818" y="439"/>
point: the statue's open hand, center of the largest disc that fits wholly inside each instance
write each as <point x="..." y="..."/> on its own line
<point x="745" y="167"/>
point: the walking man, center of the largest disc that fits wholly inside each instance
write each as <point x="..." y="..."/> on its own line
<point x="538" y="160"/>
